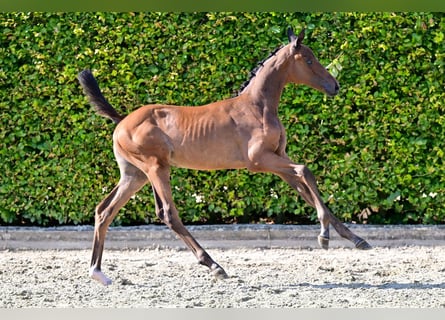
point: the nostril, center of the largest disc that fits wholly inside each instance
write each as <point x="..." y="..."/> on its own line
<point x="337" y="87"/>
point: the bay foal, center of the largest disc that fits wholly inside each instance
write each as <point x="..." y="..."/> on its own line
<point x="240" y="132"/>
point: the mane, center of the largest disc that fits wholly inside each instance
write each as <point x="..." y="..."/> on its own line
<point x="255" y="71"/>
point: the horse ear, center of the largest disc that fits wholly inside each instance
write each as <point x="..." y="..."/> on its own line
<point x="300" y="38"/>
<point x="291" y="35"/>
<point x="294" y="39"/>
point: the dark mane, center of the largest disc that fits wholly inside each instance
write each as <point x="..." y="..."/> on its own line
<point x="254" y="72"/>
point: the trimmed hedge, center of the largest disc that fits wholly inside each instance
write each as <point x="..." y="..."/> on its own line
<point x="377" y="148"/>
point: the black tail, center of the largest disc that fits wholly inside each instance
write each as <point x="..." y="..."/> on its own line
<point x="96" y="98"/>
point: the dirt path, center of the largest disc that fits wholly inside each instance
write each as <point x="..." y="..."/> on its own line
<point x="341" y="277"/>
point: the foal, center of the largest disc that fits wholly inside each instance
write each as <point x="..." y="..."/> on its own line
<point x="240" y="132"/>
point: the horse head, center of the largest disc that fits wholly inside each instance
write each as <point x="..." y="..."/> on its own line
<point x="306" y="69"/>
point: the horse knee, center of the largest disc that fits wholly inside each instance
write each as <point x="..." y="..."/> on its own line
<point x="302" y="171"/>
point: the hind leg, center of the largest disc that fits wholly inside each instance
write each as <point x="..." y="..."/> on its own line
<point x="132" y="179"/>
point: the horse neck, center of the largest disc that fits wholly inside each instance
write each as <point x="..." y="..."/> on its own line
<point x="266" y="87"/>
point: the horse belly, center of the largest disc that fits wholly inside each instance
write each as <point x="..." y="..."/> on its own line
<point x="202" y="157"/>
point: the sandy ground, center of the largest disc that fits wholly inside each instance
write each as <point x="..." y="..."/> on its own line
<point x="408" y="276"/>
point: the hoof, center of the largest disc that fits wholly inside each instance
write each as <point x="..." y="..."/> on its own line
<point x="363" y="245"/>
<point x="218" y="272"/>
<point x="100" y="277"/>
<point x="323" y="242"/>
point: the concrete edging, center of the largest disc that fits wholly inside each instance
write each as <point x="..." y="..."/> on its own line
<point x="215" y="236"/>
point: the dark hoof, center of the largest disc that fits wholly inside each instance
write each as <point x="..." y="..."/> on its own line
<point x="323" y="242"/>
<point x="363" y="245"/>
<point x="219" y="273"/>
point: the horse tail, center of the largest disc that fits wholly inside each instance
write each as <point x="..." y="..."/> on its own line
<point x="96" y="98"/>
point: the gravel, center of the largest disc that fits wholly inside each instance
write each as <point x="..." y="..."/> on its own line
<point x="402" y="276"/>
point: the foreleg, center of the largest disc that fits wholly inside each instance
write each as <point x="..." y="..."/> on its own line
<point x="300" y="178"/>
<point x="167" y="212"/>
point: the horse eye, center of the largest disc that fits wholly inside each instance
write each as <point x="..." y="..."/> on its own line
<point x="309" y="61"/>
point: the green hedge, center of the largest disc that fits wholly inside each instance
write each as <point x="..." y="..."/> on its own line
<point x="377" y="148"/>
